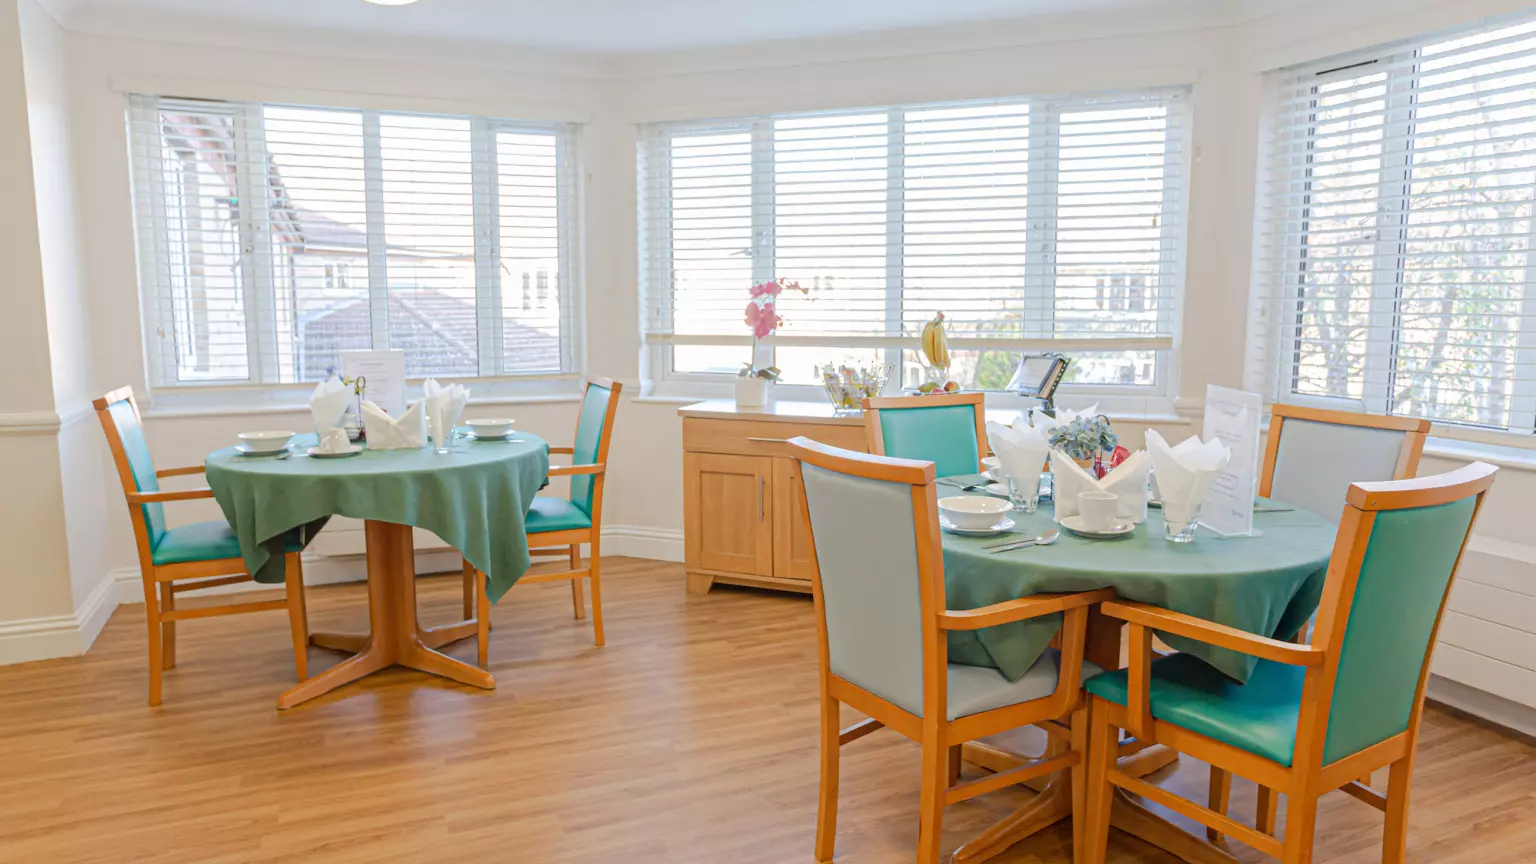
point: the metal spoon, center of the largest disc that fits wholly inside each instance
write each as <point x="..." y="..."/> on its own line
<point x="1045" y="539"/>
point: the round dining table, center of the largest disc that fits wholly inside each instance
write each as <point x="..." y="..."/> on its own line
<point x="1268" y="583"/>
<point x="474" y="497"/>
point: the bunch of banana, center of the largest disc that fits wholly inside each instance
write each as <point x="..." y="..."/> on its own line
<point x="935" y="343"/>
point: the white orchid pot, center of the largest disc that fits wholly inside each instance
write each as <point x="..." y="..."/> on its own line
<point x="751" y="391"/>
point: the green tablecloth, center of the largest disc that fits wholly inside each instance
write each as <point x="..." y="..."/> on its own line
<point x="475" y="498"/>
<point x="1268" y="584"/>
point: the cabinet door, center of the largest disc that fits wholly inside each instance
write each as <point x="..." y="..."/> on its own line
<point x="791" y="539"/>
<point x="730" y="518"/>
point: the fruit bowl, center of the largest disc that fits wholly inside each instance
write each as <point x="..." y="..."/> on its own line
<point x="848" y="387"/>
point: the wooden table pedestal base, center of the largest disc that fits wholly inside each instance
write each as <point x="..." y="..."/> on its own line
<point x="1054" y="803"/>
<point x="396" y="638"/>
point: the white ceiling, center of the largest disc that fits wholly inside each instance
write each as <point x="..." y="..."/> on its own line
<point x="597" y="26"/>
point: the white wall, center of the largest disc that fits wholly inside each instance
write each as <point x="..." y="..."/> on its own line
<point x="42" y="612"/>
<point x="83" y="464"/>
<point x="1222" y="65"/>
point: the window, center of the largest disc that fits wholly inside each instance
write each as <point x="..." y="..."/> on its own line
<point x="1040" y="223"/>
<point x="1395" y="271"/>
<point x="273" y="237"/>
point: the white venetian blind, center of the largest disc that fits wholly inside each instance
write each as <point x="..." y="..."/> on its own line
<point x="273" y="237"/>
<point x="1395" y="267"/>
<point x="1026" y="221"/>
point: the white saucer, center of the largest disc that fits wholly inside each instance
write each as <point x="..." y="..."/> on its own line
<point x="249" y="451"/>
<point x="317" y="453"/>
<point x="1002" y="526"/>
<point x="996" y="489"/>
<point x="1075" y="525"/>
<point x="473" y="437"/>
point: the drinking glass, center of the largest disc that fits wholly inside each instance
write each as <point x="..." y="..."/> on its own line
<point x="1186" y="534"/>
<point x="1024" y="496"/>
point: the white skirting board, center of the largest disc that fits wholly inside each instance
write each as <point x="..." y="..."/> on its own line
<point x="60" y="635"/>
<point x="1494" y="709"/>
<point x="31" y="639"/>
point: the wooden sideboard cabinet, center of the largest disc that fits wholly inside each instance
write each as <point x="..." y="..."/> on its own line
<point x="742" y="516"/>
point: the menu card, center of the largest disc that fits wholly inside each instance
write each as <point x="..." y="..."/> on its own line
<point x="384" y="372"/>
<point x="1232" y="417"/>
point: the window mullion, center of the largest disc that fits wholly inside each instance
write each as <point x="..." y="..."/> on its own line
<point x="378" y="254"/>
<point x="655" y="243"/>
<point x="1169" y="292"/>
<point x="895" y="235"/>
<point x="490" y="334"/>
<point x="258" y="289"/>
<point x="1387" y="270"/>
<point x="763" y="209"/>
<point x="1040" y="254"/>
<point x="154" y="263"/>
<point x="570" y="284"/>
<point x="1522" y="404"/>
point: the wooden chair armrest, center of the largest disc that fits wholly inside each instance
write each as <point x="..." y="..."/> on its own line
<point x="568" y="470"/>
<point x="182" y="472"/>
<point x="1018" y="610"/>
<point x="163" y="496"/>
<point x="1212" y="633"/>
<point x="569" y="451"/>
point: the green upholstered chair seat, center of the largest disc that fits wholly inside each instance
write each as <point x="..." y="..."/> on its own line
<point x="1259" y="716"/>
<point x="974" y="689"/>
<point x="206" y="541"/>
<point x="555" y="514"/>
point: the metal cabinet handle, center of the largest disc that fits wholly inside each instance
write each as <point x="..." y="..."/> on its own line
<point x="769" y="440"/>
<point x="759" y="498"/>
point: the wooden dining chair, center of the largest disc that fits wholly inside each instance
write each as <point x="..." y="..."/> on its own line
<point x="558" y="526"/>
<point x="186" y="557"/>
<point x="1312" y="455"/>
<point x="948" y="430"/>
<point x="1314" y="717"/>
<point x="881" y="616"/>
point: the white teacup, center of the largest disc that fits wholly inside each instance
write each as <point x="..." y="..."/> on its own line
<point x="334" y="440"/>
<point x="1098" y="509"/>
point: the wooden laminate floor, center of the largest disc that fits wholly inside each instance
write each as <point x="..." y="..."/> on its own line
<point x="690" y="738"/>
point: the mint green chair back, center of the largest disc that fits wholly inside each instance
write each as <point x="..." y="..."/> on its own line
<point x="944" y="434"/>
<point x="871" y="582"/>
<point x="1404" y="577"/>
<point x="591" y="441"/>
<point x="123" y="415"/>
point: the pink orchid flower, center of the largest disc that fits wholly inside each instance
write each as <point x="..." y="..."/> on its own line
<point x="770" y="288"/>
<point x="762" y="318"/>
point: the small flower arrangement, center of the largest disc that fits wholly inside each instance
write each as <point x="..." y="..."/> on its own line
<point x="1085" y="438"/>
<point x="763" y="317"/>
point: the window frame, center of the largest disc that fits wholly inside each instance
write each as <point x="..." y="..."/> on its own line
<point x="263" y="388"/>
<point x="1276" y="317"/>
<point x="661" y="379"/>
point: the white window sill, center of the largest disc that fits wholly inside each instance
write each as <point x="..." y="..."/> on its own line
<point x="1149" y="408"/>
<point x="294" y="399"/>
<point x="1504" y="456"/>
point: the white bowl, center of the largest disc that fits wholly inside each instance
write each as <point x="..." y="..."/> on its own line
<point x="994" y="468"/>
<point x="973" y="512"/>
<point x="495" y="428"/>
<point x="265" y="442"/>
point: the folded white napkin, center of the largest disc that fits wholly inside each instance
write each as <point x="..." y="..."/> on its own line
<point x="444" y="406"/>
<point x="407" y="432"/>
<point x="1127" y="480"/>
<point x="1021" y="451"/>
<point x="1185" y="474"/>
<point x="328" y="403"/>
